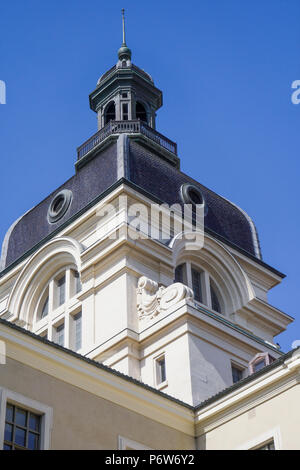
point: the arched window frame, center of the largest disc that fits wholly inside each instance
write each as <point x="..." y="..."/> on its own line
<point x="67" y="313"/>
<point x="234" y="284"/>
<point x="139" y="102"/>
<point x="187" y="276"/>
<point x="113" y="117"/>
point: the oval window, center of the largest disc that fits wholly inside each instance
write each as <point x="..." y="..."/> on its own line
<point x="59" y="205"/>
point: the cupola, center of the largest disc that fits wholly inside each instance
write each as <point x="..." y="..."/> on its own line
<point x="125" y="92"/>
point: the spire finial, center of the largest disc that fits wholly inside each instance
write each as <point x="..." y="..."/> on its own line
<point x="123" y="22"/>
<point x="124" y="53"/>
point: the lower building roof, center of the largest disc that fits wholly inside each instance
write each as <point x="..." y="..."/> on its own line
<point x="223" y="393"/>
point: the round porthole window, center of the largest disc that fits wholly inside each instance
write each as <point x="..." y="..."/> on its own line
<point x="59" y="205"/>
<point x="190" y="194"/>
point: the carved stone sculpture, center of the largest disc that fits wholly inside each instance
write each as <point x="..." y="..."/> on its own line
<point x="152" y="299"/>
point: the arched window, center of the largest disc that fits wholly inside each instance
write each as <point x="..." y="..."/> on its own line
<point x="204" y="287"/>
<point x="110" y="113"/>
<point x="59" y="310"/>
<point x="140" y="112"/>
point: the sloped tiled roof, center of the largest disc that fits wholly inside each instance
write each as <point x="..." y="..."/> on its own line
<point x="147" y="172"/>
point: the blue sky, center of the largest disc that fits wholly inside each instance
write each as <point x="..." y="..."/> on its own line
<point x="225" y="68"/>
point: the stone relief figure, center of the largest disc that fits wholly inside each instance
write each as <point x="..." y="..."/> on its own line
<point x="152" y="299"/>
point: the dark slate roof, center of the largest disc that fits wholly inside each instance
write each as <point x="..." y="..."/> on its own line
<point x="109" y="72"/>
<point x="149" y="173"/>
<point x="164" y="181"/>
<point x="92" y="179"/>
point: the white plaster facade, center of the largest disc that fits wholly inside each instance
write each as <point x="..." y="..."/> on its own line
<point x="128" y="328"/>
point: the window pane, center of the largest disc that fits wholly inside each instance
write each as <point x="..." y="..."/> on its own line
<point x="125" y="107"/>
<point x="21" y="417"/>
<point x="33" y="441"/>
<point x="20" y="436"/>
<point x="196" y="280"/>
<point x="24" y="431"/>
<point x="60" y="335"/>
<point x="34" y="422"/>
<point x="9" y="413"/>
<point x="78" y="330"/>
<point x="77" y="282"/>
<point x="45" y="309"/>
<point x="141" y="112"/>
<point x="8" y="432"/>
<point x="161" y="370"/>
<point x="61" y="286"/>
<point x="179" y="273"/>
<point x="259" y="365"/>
<point x="237" y="374"/>
<point x="110" y="113"/>
<point x="6" y="447"/>
<point x="215" y="304"/>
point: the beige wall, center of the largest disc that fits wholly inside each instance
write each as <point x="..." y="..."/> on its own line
<point x="84" y="421"/>
<point x="278" y="416"/>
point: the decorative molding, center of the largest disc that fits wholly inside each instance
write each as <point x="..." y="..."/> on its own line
<point x="57" y="253"/>
<point x="216" y="259"/>
<point x="59" y="205"/>
<point x="153" y="299"/>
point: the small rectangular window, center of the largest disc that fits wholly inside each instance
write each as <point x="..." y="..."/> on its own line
<point x="161" y="375"/>
<point x="124" y="95"/>
<point x="125" y="111"/>
<point x="77" y="282"/>
<point x="180" y="273"/>
<point x="196" y="282"/>
<point x="237" y="373"/>
<point x="22" y="429"/>
<point x="77" y="331"/>
<point x="60" y="334"/>
<point x="259" y="365"/>
<point x="61" y="290"/>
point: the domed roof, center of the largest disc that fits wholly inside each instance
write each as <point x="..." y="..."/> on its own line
<point x="124" y="52"/>
<point x="149" y="174"/>
<point x="106" y="74"/>
<point x="137" y="69"/>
